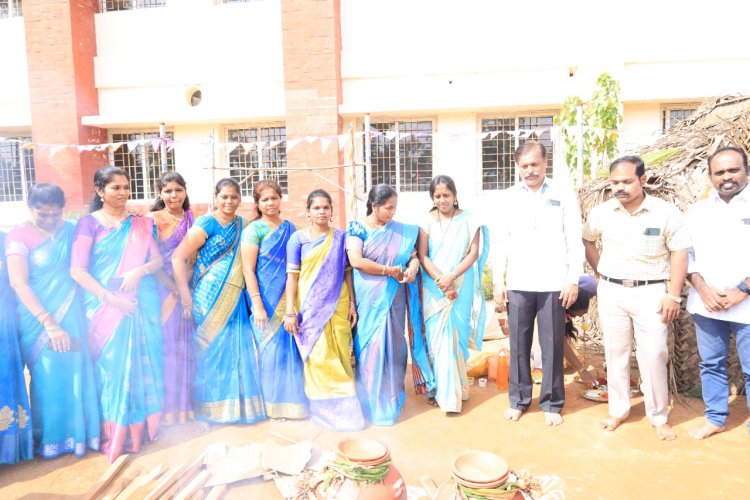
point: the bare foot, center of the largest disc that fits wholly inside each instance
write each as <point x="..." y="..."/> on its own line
<point x="705" y="430"/>
<point x="552" y="418"/>
<point x="513" y="414"/>
<point x="202" y="426"/>
<point x="611" y="423"/>
<point x="665" y="432"/>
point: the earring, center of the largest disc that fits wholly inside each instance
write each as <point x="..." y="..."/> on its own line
<point x="101" y="198"/>
<point x="455" y="203"/>
<point x="331" y="219"/>
<point x="309" y="220"/>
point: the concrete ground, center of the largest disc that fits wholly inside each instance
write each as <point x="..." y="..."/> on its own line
<point x="592" y="463"/>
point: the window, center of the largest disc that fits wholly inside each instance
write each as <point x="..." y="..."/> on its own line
<point x="141" y="161"/>
<point x="16" y="169"/>
<point x="672" y="115"/>
<point x="10" y="8"/>
<point x="111" y="5"/>
<point x="401" y="155"/>
<point x="248" y="167"/>
<point x="498" y="165"/>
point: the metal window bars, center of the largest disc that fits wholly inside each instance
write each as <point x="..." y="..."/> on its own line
<point x="265" y="157"/>
<point x="141" y="161"/>
<point x="17" y="173"/>
<point x="401" y="154"/>
<point x="498" y="164"/>
<point x="115" y="5"/>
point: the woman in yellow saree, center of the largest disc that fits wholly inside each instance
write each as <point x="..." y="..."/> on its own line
<point x="319" y="286"/>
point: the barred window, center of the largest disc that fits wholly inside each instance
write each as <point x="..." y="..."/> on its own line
<point x="671" y="116"/>
<point x="16" y="169"/>
<point x="112" y="5"/>
<point x="401" y="155"/>
<point x="265" y="159"/>
<point x="11" y="8"/>
<point x="498" y="165"/>
<point x="141" y="161"/>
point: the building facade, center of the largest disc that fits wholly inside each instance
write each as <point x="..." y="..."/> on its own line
<point x="286" y="89"/>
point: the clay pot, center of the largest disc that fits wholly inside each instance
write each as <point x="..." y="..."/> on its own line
<point x="365" y="452"/>
<point x="480" y="467"/>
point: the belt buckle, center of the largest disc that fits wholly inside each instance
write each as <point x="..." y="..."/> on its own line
<point x="628" y="283"/>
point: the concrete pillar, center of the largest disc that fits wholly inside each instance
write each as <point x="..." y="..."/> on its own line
<point x="60" y="50"/>
<point x="311" y="34"/>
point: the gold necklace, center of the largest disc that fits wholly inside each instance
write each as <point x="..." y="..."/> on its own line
<point x="369" y="222"/>
<point x="440" y="222"/>
<point x="116" y="223"/>
<point x="174" y="218"/>
<point x="50" y="235"/>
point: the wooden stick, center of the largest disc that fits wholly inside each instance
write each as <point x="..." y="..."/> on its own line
<point x="217" y="492"/>
<point x="130" y="491"/>
<point x="167" y="480"/>
<point x="189" y="473"/>
<point x="130" y="474"/>
<point x="195" y="485"/>
<point x="110" y="474"/>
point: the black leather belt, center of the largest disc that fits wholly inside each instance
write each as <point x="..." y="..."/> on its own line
<point x="631" y="283"/>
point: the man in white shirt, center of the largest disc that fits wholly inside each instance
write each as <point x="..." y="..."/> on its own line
<point x="719" y="270"/>
<point x="642" y="269"/>
<point x="537" y="260"/>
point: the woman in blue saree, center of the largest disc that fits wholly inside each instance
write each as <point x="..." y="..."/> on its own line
<point x="452" y="249"/>
<point x="227" y="386"/>
<point x="114" y="258"/>
<point x="263" y="252"/>
<point x="52" y="328"/>
<point x="383" y="255"/>
<point x="16" y="439"/>
<point x="319" y="286"/>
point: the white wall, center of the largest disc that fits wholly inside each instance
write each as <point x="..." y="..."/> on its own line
<point x="15" y="106"/>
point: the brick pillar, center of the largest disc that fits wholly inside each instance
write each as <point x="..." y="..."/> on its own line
<point x="60" y="50"/>
<point x="311" y="34"/>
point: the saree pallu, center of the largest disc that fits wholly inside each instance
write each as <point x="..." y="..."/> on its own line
<point x="126" y="349"/>
<point x="16" y="438"/>
<point x="452" y="327"/>
<point x="227" y="386"/>
<point x="63" y="392"/>
<point x="177" y="332"/>
<point x="325" y="334"/>
<point x="379" y="341"/>
<point x="280" y="362"/>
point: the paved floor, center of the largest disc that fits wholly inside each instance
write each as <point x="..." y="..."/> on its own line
<point x="628" y="463"/>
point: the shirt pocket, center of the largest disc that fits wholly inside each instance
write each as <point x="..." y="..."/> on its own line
<point x="551" y="216"/>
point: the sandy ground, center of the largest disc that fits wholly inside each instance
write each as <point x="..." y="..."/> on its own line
<point x="628" y="463"/>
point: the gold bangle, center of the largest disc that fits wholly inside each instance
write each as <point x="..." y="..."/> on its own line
<point x="382" y="271"/>
<point x="254" y="295"/>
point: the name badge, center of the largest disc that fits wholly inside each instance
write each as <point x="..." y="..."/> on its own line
<point x="746" y="222"/>
<point x="652" y="231"/>
<point x="554" y="203"/>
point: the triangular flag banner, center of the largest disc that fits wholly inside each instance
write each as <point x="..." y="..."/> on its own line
<point x="54" y="150"/>
<point x="132" y="145"/>
<point x="512" y="133"/>
<point x="155" y="144"/>
<point x="310" y="138"/>
<point x="290" y="144"/>
<point x="273" y="144"/>
<point x="231" y="146"/>
<point x="343" y="138"/>
<point x="494" y="133"/>
<point x="27" y="145"/>
<point x="325" y="142"/>
<point x="390" y="135"/>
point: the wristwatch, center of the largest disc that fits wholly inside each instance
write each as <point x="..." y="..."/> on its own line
<point x="675" y="298"/>
<point x="742" y="286"/>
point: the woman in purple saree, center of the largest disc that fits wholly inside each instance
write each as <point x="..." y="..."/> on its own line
<point x="173" y="218"/>
<point x="114" y="258"/>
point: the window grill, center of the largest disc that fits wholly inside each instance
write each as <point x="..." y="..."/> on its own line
<point x="403" y="161"/>
<point x="498" y="164"/>
<point x="114" y="5"/>
<point x="672" y="116"/>
<point x="142" y="162"/>
<point x="16" y="169"/>
<point x="249" y="167"/>
<point x="11" y="8"/>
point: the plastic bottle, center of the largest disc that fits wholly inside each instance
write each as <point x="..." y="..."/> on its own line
<point x="492" y="367"/>
<point x="503" y="369"/>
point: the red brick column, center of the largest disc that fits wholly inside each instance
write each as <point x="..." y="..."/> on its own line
<point x="60" y="50"/>
<point x="311" y="34"/>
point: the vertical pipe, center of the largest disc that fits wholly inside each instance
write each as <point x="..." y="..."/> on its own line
<point x="163" y="147"/>
<point x="368" y="155"/>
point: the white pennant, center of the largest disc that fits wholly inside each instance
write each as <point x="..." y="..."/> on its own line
<point x="231" y="146"/>
<point x="291" y="144"/>
<point x="343" y="139"/>
<point x="325" y="142"/>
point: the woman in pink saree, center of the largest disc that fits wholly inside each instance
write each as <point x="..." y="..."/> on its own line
<point x="114" y="258"/>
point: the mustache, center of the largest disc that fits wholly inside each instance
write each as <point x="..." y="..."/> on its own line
<point x="621" y="193"/>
